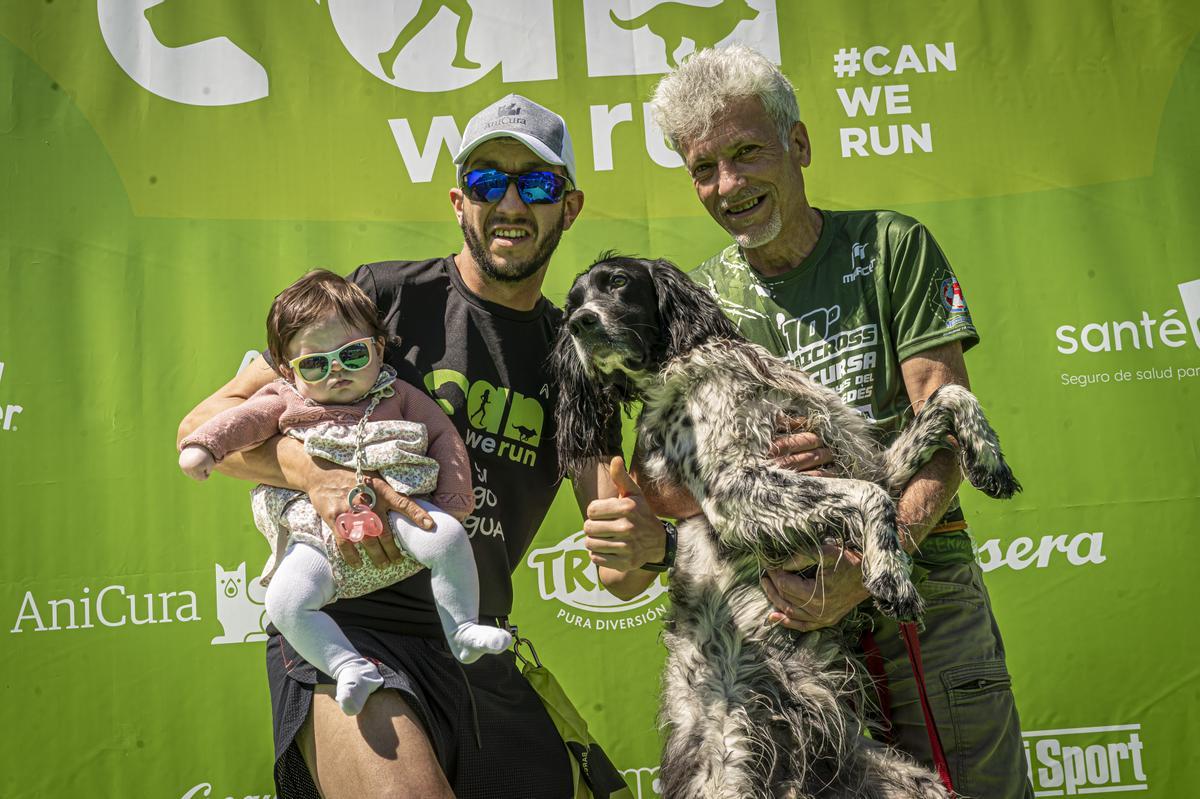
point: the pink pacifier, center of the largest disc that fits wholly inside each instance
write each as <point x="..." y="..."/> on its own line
<point x="360" y="521"/>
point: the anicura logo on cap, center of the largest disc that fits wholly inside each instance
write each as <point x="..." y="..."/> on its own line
<point x="510" y="110"/>
<point x="566" y="575"/>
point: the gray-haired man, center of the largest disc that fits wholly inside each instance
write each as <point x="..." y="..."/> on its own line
<point x="867" y="304"/>
<point x="474" y="331"/>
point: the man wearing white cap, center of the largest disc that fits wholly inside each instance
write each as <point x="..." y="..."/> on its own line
<point x="474" y="331"/>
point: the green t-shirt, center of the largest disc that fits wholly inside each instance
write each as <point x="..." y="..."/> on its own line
<point x="875" y="290"/>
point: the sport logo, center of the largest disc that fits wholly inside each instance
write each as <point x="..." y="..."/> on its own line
<point x="7" y="411"/>
<point x="860" y="265"/>
<point x="647" y="37"/>
<point x="1168" y="328"/>
<point x="567" y="575"/>
<point x="242" y="615"/>
<point x="1086" y="760"/>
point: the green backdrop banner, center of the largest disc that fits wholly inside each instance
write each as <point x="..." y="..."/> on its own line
<point x="169" y="165"/>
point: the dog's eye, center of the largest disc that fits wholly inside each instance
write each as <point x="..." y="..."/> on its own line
<point x="617" y="281"/>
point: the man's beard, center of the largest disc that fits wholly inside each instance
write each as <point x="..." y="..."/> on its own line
<point x="513" y="272"/>
<point x="764" y="235"/>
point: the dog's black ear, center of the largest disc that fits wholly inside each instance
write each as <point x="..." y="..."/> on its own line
<point x="687" y="313"/>
<point x="587" y="408"/>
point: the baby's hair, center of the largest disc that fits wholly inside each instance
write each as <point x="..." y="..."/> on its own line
<point x="314" y="297"/>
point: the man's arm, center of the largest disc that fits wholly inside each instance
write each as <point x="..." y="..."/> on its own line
<point x="281" y="461"/>
<point x="622" y="537"/>
<point x="809" y="603"/>
<point x="259" y="464"/>
<point x="623" y="531"/>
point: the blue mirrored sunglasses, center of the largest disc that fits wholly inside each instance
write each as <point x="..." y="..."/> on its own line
<point x="490" y="185"/>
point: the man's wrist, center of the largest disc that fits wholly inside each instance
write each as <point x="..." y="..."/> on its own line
<point x="671" y="539"/>
<point x="299" y="471"/>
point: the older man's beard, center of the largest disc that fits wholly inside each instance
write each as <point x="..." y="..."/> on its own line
<point x="513" y="271"/>
<point x="764" y="235"/>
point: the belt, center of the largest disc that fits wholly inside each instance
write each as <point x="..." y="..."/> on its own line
<point x="952" y="522"/>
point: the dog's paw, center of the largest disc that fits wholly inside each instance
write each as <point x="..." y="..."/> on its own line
<point x="895" y="596"/>
<point x="997" y="482"/>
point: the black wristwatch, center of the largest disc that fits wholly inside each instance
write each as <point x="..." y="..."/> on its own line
<point x="669" y="555"/>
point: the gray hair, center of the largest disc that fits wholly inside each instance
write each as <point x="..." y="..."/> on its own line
<point x="690" y="98"/>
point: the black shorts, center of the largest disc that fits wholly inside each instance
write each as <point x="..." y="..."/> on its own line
<point x="489" y="730"/>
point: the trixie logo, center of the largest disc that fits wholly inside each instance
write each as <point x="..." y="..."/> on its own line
<point x="111" y="606"/>
<point x="1086" y="760"/>
<point x="566" y="574"/>
<point x="8" y="411"/>
<point x="1078" y="550"/>
<point x="204" y="790"/>
<point x="240" y="610"/>
<point x="647" y="37"/>
<point x="1168" y="328"/>
<point x="215" y="52"/>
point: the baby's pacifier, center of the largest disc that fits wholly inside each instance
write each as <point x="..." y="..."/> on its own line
<point x="360" y="521"/>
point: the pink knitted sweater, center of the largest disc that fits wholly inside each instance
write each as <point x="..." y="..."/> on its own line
<point x="277" y="408"/>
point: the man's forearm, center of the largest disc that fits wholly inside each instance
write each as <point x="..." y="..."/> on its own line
<point x="626" y="585"/>
<point x="927" y="496"/>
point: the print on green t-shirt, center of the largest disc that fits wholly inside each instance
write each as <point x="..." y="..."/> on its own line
<point x="874" y="291"/>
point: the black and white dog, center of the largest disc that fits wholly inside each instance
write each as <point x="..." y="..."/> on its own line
<point x="753" y="709"/>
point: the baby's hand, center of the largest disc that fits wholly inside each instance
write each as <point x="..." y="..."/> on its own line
<point x="196" y="462"/>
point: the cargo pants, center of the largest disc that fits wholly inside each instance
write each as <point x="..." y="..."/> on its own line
<point x="965" y="673"/>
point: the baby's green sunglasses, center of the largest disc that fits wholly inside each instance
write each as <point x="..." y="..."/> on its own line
<point x="315" y="366"/>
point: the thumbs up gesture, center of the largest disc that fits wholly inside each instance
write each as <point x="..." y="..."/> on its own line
<point x="622" y="531"/>
<point x="622" y="479"/>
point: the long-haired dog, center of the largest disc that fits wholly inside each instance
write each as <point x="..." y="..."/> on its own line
<point x="753" y="709"/>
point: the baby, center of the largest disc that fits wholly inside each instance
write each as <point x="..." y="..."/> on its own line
<point x="337" y="396"/>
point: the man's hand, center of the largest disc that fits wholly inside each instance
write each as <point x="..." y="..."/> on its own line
<point x="799" y="450"/>
<point x="328" y="488"/>
<point x="811" y="601"/>
<point x="622" y="532"/>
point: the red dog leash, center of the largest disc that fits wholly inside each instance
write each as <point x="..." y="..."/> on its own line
<point x="912" y="646"/>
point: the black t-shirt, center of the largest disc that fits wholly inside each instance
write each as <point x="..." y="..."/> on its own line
<point x="486" y="365"/>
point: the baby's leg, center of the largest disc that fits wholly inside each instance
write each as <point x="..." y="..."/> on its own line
<point x="302" y="585"/>
<point x="446" y="550"/>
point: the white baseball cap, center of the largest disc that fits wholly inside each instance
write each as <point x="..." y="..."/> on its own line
<point x="537" y="127"/>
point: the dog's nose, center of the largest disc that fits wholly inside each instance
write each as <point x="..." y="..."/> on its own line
<point x="583" y="321"/>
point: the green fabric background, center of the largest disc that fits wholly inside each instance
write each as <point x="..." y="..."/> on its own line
<point x="142" y="239"/>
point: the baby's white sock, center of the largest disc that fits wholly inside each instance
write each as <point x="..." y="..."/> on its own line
<point x="472" y="640"/>
<point x="356" y="680"/>
<point x="446" y="550"/>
